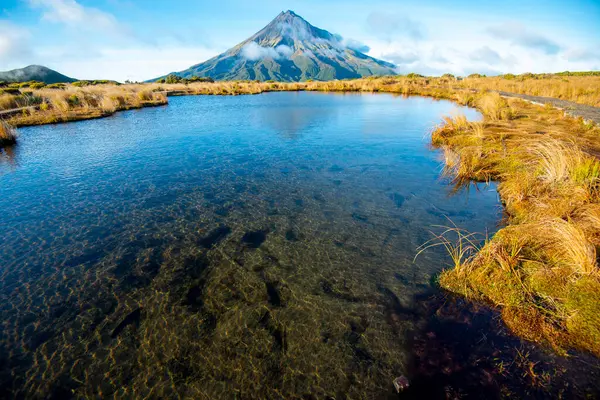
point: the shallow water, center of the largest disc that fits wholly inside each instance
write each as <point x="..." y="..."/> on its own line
<point x="250" y="246"/>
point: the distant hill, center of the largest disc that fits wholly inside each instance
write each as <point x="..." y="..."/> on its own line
<point x="290" y="49"/>
<point x="34" y="73"/>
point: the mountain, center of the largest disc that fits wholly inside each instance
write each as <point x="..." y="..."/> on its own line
<point x="291" y="49"/>
<point x="34" y="73"/>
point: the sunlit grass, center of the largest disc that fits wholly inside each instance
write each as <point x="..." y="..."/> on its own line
<point x="542" y="268"/>
<point x="74" y="103"/>
<point x="8" y="134"/>
<point x="579" y="89"/>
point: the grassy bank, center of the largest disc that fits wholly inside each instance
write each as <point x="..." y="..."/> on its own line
<point x="61" y="103"/>
<point x="541" y="270"/>
<point x="8" y="134"/>
<point x="71" y="103"/>
<point x="578" y="89"/>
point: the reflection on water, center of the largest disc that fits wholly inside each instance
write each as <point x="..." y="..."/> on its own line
<point x="294" y="117"/>
<point x="8" y="155"/>
<point x="255" y="246"/>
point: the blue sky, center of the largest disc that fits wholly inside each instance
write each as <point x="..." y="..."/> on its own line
<point x="138" y="40"/>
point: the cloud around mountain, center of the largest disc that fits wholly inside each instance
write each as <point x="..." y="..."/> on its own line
<point x="253" y="51"/>
<point x="291" y="49"/>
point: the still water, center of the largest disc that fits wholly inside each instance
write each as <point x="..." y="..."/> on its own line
<point x="224" y="247"/>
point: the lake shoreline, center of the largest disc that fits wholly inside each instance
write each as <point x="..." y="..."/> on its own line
<point x="130" y="95"/>
<point x="499" y="113"/>
<point x="481" y="151"/>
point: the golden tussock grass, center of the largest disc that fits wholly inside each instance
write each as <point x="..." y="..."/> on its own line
<point x="542" y="268"/>
<point x="8" y="101"/>
<point x="579" y="89"/>
<point x="75" y="103"/>
<point x="8" y="134"/>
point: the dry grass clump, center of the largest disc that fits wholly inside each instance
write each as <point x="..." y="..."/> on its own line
<point x="542" y="268"/>
<point x="8" y="101"/>
<point x="560" y="161"/>
<point x="579" y="89"/>
<point x="75" y="103"/>
<point x="18" y="99"/>
<point x="494" y="107"/>
<point x="8" y="134"/>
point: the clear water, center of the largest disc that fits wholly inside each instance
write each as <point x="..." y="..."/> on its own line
<point x="251" y="246"/>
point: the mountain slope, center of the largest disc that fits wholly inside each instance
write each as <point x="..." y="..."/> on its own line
<point x="34" y="73"/>
<point x="290" y="49"/>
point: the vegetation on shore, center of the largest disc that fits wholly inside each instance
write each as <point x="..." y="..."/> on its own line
<point x="8" y="134"/>
<point x="93" y="99"/>
<point x="582" y="89"/>
<point x="541" y="269"/>
<point x="74" y="102"/>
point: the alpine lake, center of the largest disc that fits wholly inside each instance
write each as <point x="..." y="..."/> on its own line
<point x="229" y="247"/>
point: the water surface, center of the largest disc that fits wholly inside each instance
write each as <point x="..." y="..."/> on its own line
<point x="251" y="246"/>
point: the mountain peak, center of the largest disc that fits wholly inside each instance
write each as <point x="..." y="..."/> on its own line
<point x="289" y="48"/>
<point x="34" y="73"/>
<point x="287" y="17"/>
<point x="288" y="28"/>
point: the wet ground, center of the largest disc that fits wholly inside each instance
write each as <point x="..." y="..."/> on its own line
<point x="247" y="247"/>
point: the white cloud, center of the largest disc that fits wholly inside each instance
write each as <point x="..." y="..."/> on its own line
<point x="99" y="46"/>
<point x="70" y="12"/>
<point x="284" y="51"/>
<point x="14" y="45"/>
<point x="390" y="26"/>
<point x="132" y="63"/>
<point x="583" y="54"/>
<point x="486" y="54"/>
<point x="497" y="49"/>
<point x="354" y="44"/>
<point x="437" y="58"/>
<point x="519" y="35"/>
<point x="401" y="57"/>
<point x="253" y="51"/>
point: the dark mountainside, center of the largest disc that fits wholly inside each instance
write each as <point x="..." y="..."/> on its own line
<point x="34" y="73"/>
<point x="290" y="49"/>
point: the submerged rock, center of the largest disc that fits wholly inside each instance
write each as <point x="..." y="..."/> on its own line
<point x="401" y="383"/>
<point x="254" y="239"/>
<point x="131" y="318"/>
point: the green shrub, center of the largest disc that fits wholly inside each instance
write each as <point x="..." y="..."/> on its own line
<point x="9" y="90"/>
<point x="37" y="85"/>
<point x="73" y="100"/>
<point x="172" y="78"/>
<point x="198" y="79"/>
